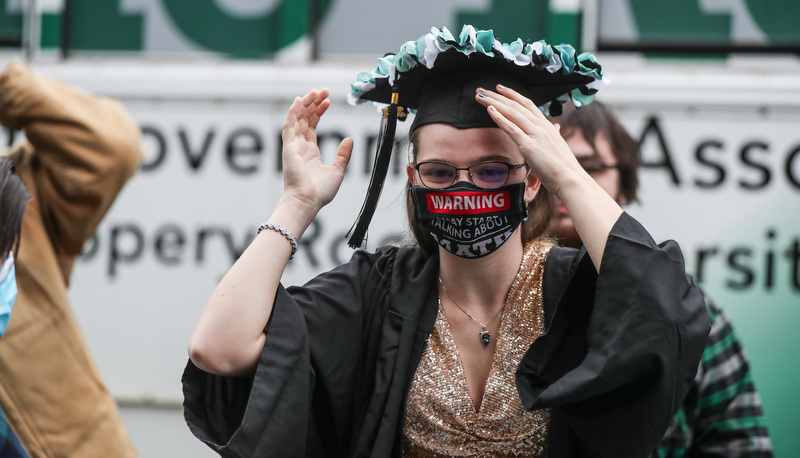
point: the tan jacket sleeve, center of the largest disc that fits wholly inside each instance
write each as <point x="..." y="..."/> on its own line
<point x="80" y="150"/>
<point x="84" y="149"/>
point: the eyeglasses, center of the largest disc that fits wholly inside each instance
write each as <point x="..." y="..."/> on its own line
<point x="486" y="175"/>
<point x="594" y="165"/>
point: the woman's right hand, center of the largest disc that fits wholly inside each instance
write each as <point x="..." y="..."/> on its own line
<point x="229" y="336"/>
<point x="308" y="183"/>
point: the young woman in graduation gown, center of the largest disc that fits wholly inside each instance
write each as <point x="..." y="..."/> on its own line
<point x="461" y="345"/>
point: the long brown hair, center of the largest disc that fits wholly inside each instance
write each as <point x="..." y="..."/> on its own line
<point x="541" y="211"/>
<point x="14" y="198"/>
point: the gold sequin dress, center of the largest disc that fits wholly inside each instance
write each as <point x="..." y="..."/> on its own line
<point x="440" y="419"/>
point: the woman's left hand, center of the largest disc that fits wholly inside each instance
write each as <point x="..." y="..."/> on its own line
<point x="592" y="210"/>
<point x="539" y="140"/>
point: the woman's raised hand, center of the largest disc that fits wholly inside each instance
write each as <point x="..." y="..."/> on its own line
<point x="307" y="181"/>
<point x="229" y="337"/>
<point x="538" y="139"/>
<point x="592" y="210"/>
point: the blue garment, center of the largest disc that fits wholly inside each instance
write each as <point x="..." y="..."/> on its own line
<point x="8" y="290"/>
<point x="9" y="443"/>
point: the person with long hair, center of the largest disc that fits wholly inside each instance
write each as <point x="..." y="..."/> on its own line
<point x="481" y="339"/>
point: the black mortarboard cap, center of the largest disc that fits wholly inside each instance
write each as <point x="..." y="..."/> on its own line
<point x="436" y="77"/>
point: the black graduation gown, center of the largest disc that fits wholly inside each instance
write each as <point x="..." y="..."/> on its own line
<point x="620" y="352"/>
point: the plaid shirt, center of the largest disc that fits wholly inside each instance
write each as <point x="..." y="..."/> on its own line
<point x="721" y="416"/>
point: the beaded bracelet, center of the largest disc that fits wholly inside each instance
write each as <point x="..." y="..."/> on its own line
<point x="283" y="231"/>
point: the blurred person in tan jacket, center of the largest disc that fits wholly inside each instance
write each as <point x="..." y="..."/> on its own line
<point x="80" y="149"/>
<point x="14" y="200"/>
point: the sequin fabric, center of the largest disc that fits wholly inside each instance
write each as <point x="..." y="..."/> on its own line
<point x="440" y="419"/>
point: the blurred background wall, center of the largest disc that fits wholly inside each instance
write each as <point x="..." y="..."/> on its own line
<point x="710" y="88"/>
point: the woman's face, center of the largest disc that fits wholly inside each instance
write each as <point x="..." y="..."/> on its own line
<point x="598" y="160"/>
<point x="464" y="147"/>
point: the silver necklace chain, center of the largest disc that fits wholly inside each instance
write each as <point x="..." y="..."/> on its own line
<point x="484" y="335"/>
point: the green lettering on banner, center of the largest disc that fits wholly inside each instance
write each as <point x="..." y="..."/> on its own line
<point x="97" y="25"/>
<point x="51" y="30"/>
<point x="530" y="20"/>
<point x="10" y="24"/>
<point x="212" y="28"/>
<point x="679" y="20"/>
<point x="777" y="19"/>
<point x="11" y="28"/>
<point x="683" y="20"/>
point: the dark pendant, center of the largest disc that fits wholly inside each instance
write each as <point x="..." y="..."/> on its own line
<point x="485" y="336"/>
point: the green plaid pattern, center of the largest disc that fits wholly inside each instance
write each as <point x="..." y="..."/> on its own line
<point x="721" y="416"/>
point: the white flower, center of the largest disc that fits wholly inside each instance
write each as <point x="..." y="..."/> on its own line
<point x="555" y="63"/>
<point x="513" y="51"/>
<point x="429" y="51"/>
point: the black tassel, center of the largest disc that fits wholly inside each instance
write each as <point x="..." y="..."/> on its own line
<point x="383" y="157"/>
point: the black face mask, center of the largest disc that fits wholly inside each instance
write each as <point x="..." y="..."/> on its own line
<point x="468" y="221"/>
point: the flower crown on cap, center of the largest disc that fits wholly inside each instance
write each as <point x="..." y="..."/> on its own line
<point x="433" y="73"/>
<point x="538" y="56"/>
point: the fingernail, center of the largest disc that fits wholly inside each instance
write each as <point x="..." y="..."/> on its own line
<point x="500" y="86"/>
<point x="481" y="95"/>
